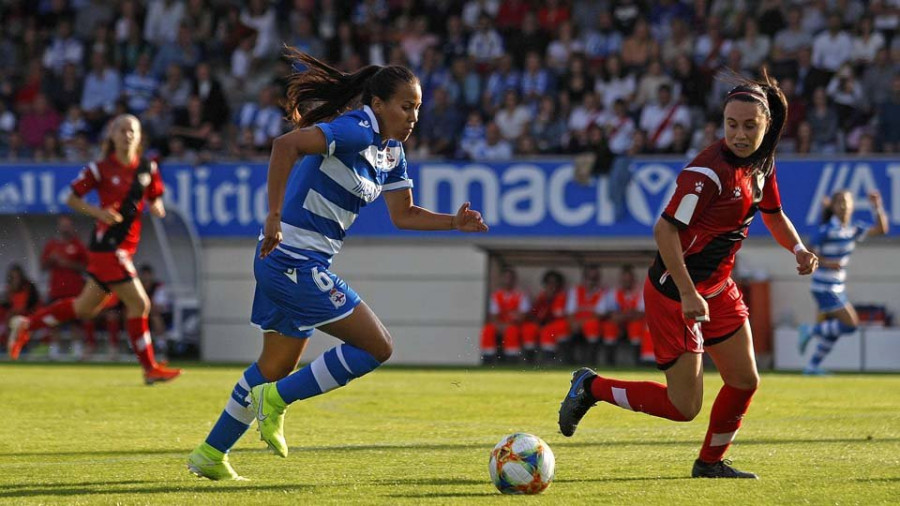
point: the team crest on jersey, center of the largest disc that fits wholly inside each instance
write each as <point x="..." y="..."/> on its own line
<point x="144" y="179"/>
<point x="737" y="192"/>
<point x="338" y="298"/>
<point x="384" y="160"/>
<point x="116" y="180"/>
<point x="698" y="186"/>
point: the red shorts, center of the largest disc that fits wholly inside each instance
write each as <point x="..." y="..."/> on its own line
<point x="674" y="336"/>
<point x="110" y="267"/>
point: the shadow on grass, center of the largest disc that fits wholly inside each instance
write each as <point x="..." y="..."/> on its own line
<point x="182" y="452"/>
<point x="122" y="488"/>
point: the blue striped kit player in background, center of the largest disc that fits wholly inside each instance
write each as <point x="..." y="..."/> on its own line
<point x="834" y="242"/>
<point x="346" y="161"/>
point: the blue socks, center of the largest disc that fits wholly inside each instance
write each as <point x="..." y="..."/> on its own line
<point x="829" y="330"/>
<point x="236" y="417"/>
<point x="334" y="368"/>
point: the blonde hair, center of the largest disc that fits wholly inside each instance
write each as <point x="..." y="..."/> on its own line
<point x="108" y="146"/>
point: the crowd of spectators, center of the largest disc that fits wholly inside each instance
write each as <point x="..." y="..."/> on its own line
<point x="500" y="79"/>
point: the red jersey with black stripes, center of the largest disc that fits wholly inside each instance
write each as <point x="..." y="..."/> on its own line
<point x="124" y="187"/>
<point x="714" y="202"/>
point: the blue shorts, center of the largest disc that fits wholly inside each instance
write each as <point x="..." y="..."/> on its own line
<point x="293" y="296"/>
<point x="830" y="301"/>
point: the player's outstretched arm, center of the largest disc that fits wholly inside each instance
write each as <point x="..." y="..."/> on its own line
<point x="786" y="235"/>
<point x="286" y="150"/>
<point x="407" y="216"/>
<point x="882" y="225"/>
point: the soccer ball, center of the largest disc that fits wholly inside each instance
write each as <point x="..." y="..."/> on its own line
<point x="522" y="464"/>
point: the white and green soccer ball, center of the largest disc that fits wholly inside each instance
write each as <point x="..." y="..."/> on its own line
<point x="522" y="464"/>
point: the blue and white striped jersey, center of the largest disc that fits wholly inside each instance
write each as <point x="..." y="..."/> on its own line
<point x="835" y="242"/>
<point x="325" y="192"/>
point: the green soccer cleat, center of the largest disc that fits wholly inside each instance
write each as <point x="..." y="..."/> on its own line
<point x="207" y="462"/>
<point x="269" y="407"/>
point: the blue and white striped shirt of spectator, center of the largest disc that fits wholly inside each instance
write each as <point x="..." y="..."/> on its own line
<point x="834" y="242"/>
<point x="140" y="90"/>
<point x="498" y="83"/>
<point x="536" y="85"/>
<point x="325" y="193"/>
<point x="265" y="123"/>
<point x="68" y="129"/>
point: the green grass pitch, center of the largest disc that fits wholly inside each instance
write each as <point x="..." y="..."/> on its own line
<point x="93" y="434"/>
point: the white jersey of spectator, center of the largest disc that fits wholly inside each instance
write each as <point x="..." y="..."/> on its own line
<point x="612" y="89"/>
<point x="101" y="90"/>
<point x="486" y="45"/>
<point x="705" y="45"/>
<point x="657" y="120"/>
<point x="832" y="51"/>
<point x="754" y="52"/>
<point x="492" y="147"/>
<point x="267" y="35"/>
<point x="864" y="49"/>
<point x="583" y="116"/>
<point x="163" y="19"/>
<point x="813" y="20"/>
<point x="648" y="86"/>
<point x="887" y="17"/>
<point x="475" y="8"/>
<point x="790" y="41"/>
<point x="62" y="51"/>
<point x="512" y="123"/>
<point x="844" y="89"/>
<point x="619" y="130"/>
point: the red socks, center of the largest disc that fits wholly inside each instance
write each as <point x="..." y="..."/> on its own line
<point x="644" y="396"/>
<point x="50" y="316"/>
<point x="139" y="337"/>
<point x="727" y="412"/>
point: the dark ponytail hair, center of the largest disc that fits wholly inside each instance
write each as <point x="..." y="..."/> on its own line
<point x="322" y="92"/>
<point x="766" y="93"/>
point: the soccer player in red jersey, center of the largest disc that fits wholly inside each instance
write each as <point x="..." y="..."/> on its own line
<point x="124" y="180"/>
<point x="691" y="302"/>
<point x="66" y="258"/>
<point x="508" y="306"/>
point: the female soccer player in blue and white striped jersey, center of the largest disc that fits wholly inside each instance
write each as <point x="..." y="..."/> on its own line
<point x="834" y="242"/>
<point x="347" y="161"/>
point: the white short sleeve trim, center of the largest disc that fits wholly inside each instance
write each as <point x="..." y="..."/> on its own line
<point x="706" y="171"/>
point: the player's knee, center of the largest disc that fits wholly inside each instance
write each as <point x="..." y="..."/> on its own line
<point x="274" y="370"/>
<point x="749" y="381"/>
<point x="384" y="349"/>
<point x="690" y="409"/>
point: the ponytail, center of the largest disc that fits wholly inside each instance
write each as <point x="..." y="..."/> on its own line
<point x="322" y="92"/>
<point x="766" y="93"/>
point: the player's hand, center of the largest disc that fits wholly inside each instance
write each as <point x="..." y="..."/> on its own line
<point x="467" y="220"/>
<point x="157" y="208"/>
<point x="694" y="306"/>
<point x="807" y="262"/>
<point x="109" y="215"/>
<point x="875" y="199"/>
<point x="271" y="235"/>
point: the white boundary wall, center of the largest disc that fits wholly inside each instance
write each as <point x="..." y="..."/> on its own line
<point x="431" y="294"/>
